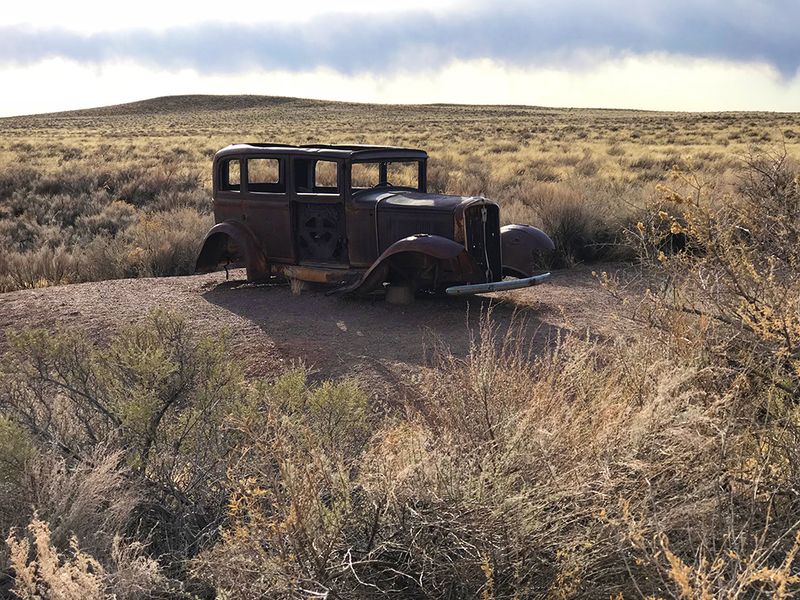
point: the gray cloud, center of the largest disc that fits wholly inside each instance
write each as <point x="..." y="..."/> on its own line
<point x="572" y="32"/>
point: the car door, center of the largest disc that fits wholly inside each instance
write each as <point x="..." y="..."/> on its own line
<point x="267" y="209"/>
<point x="319" y="216"/>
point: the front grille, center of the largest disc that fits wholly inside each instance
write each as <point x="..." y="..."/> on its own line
<point x="482" y="225"/>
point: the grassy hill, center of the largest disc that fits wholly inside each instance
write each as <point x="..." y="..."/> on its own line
<point x="190" y="103"/>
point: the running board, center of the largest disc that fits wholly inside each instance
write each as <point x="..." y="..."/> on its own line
<point x="497" y="286"/>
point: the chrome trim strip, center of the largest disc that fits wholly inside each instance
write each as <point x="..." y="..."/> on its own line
<point x="497" y="286"/>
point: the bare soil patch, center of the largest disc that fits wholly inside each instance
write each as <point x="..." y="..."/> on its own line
<point x="268" y="328"/>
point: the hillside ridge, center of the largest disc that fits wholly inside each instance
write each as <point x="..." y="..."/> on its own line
<point x="236" y="102"/>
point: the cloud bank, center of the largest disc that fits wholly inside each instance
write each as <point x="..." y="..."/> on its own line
<point x="655" y="82"/>
<point x="571" y="34"/>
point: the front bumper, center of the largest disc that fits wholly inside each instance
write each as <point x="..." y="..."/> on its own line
<point x="497" y="286"/>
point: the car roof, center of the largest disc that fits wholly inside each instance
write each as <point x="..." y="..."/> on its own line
<point x="351" y="151"/>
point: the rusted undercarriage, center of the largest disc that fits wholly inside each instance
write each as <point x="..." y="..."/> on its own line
<point x="421" y="262"/>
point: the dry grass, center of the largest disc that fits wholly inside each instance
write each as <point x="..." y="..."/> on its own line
<point x="42" y="571"/>
<point x="49" y="574"/>
<point x="645" y="468"/>
<point x="80" y="191"/>
<point x="563" y="475"/>
<point x="660" y="466"/>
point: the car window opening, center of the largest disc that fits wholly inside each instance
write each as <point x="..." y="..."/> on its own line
<point x="230" y="175"/>
<point x="369" y="175"/>
<point x="316" y="176"/>
<point x="264" y="175"/>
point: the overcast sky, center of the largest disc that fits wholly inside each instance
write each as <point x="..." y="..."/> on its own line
<point x="650" y="54"/>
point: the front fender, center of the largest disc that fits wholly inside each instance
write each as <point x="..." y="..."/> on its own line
<point x="521" y="246"/>
<point x="433" y="246"/>
<point x="232" y="237"/>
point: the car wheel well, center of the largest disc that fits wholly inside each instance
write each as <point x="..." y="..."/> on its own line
<point x="410" y="267"/>
<point x="512" y="272"/>
<point x="219" y="250"/>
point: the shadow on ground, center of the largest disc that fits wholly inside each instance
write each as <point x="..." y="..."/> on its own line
<point x="339" y="336"/>
<point x="268" y="328"/>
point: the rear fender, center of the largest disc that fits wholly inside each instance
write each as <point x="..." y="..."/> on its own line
<point x="447" y="252"/>
<point x="232" y="242"/>
<point x="521" y="246"/>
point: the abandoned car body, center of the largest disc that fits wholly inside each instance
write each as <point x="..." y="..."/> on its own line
<point x="360" y="219"/>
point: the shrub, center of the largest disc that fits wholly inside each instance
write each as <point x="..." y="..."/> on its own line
<point x="541" y="172"/>
<point x="290" y="502"/>
<point x="123" y="243"/>
<point x="107" y="257"/>
<point x="156" y="393"/>
<point x="727" y="297"/>
<point x="587" y="166"/>
<point x="16" y="451"/>
<point x="53" y="224"/>
<point x="570" y="222"/>
<point x="43" y="571"/>
<point x="12" y="179"/>
<point x="581" y="228"/>
<point x="740" y="276"/>
<point x="439" y="175"/>
<point x="590" y="470"/>
<point x="41" y="268"/>
<point x="198" y="199"/>
<point x="166" y="243"/>
<point x="113" y="218"/>
<point x="142" y="186"/>
<point x="561" y="473"/>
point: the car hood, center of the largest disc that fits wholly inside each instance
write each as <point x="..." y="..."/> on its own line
<point x="388" y="199"/>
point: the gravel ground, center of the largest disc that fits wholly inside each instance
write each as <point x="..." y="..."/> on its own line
<point x="269" y="328"/>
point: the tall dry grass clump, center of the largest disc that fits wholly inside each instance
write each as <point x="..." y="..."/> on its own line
<point x="585" y="219"/>
<point x="41" y="571"/>
<point x="49" y="574"/>
<point x="93" y="500"/>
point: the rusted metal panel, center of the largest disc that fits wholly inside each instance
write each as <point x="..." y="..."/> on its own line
<point x="232" y="242"/>
<point x="316" y="274"/>
<point x="361" y="234"/>
<point x="448" y="258"/>
<point x="522" y="245"/>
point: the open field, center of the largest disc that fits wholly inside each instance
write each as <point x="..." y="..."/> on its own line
<point x="631" y="430"/>
<point x="98" y="194"/>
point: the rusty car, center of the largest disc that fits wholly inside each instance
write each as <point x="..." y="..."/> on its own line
<point x="360" y="219"/>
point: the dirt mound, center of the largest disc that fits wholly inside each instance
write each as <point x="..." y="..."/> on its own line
<point x="269" y="328"/>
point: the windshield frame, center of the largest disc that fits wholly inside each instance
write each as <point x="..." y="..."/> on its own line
<point x="383" y="169"/>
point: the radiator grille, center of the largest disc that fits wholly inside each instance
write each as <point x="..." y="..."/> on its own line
<point x="483" y="239"/>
